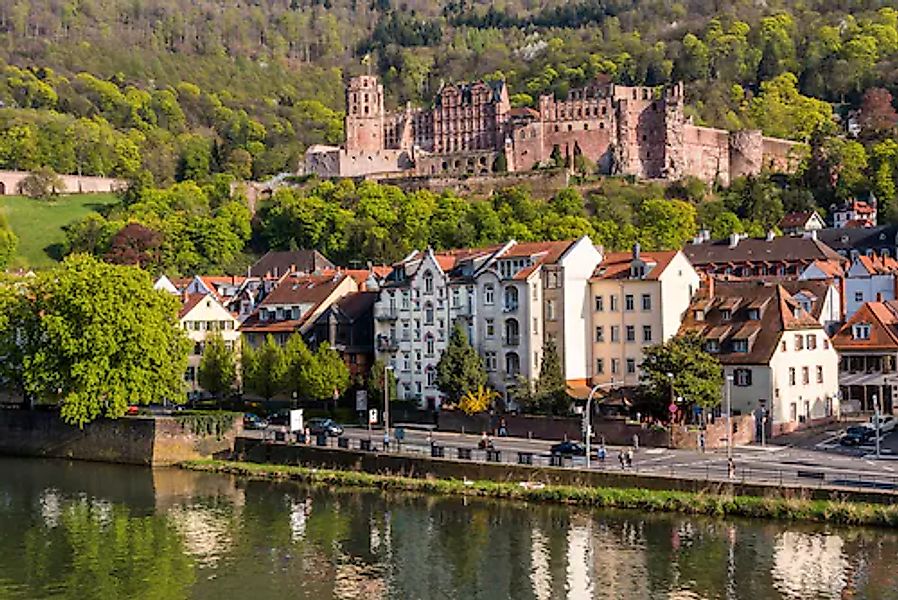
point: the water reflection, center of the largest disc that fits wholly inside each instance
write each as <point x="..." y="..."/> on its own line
<point x="198" y="536"/>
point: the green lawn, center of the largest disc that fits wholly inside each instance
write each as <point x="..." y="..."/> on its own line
<point x="39" y="223"/>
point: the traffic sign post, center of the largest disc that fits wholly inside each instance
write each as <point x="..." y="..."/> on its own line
<point x="372" y="419"/>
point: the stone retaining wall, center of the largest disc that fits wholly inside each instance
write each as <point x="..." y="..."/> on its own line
<point x="151" y="441"/>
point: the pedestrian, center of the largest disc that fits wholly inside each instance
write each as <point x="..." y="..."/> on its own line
<point x="307" y="435"/>
<point x="731" y="468"/>
<point x="629" y="458"/>
<point x="386" y="440"/>
<point x="620" y="457"/>
<point x="429" y="437"/>
<point x="602" y="455"/>
<point x="483" y="444"/>
<point x="636" y="441"/>
<point x="701" y="440"/>
<point x="503" y="429"/>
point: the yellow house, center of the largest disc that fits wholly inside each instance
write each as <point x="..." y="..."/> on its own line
<point x="201" y="315"/>
<point x="638" y="300"/>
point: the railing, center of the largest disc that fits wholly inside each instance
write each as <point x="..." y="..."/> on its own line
<point x="388" y="314"/>
<point x="387" y="344"/>
<point x="511" y="340"/>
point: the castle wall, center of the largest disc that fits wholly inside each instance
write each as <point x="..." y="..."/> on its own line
<point x="707" y="153"/>
<point x="461" y="163"/>
<point x="641" y="133"/>
<point x="782" y="155"/>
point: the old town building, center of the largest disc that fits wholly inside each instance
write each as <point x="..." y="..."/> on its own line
<point x="471" y="128"/>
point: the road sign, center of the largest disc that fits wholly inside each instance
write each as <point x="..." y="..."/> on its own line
<point x="361" y="400"/>
<point x="296" y="423"/>
<point x="372" y="416"/>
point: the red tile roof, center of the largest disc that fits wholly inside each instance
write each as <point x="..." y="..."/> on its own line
<point x="616" y="265"/>
<point x="294" y="290"/>
<point x="189" y="302"/>
<point x="793" y="220"/>
<point x="883" y="320"/>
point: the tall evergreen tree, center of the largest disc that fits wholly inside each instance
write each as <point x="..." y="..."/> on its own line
<point x="264" y="369"/>
<point x="297" y="359"/>
<point x="218" y="370"/>
<point x="551" y="389"/>
<point x="460" y="369"/>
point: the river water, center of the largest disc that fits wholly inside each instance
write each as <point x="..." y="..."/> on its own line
<point x="86" y="531"/>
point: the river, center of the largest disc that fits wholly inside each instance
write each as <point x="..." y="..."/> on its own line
<point x="92" y="531"/>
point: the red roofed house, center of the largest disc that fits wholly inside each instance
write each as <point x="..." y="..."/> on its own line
<point x="868" y="352"/>
<point x="857" y="214"/>
<point x="638" y="300"/>
<point x="801" y="222"/>
<point x="294" y="304"/>
<point x="778" y="355"/>
<point x="200" y="315"/>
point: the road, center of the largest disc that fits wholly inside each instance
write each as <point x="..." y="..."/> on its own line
<point x="755" y="464"/>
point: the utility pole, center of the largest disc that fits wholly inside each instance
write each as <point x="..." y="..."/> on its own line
<point x="587" y="418"/>
<point x="729" y="420"/>
<point x="877" y="413"/>
<point x="387" y="368"/>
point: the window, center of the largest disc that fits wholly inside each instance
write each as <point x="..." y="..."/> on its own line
<point x="811" y="342"/>
<point x="406" y="300"/>
<point x="417" y="330"/>
<point x="406" y="362"/>
<point x="799" y="342"/>
<point x="646" y="333"/>
<point x="783" y="345"/>
<point x="428" y="282"/>
<point x="512" y="364"/>
<point x="631" y="366"/>
<point x="490" y="328"/>
<point x="489" y="294"/>
<point x="615" y="366"/>
<point x="600" y="333"/>
<point x="600" y="366"/>
<point x="825" y="344"/>
<point x="712" y="346"/>
<point x="190" y="375"/>
<point x="491" y="363"/>
<point x="428" y="314"/>
<point x="740" y="345"/>
<point x="628" y="302"/>
<point x="805" y="375"/>
<point x="456" y="298"/>
<point x="429" y="344"/>
<point x="860" y="331"/>
<point x="819" y="374"/>
<point x="600" y="303"/>
<point x="614" y="303"/>
<point x="791" y="375"/>
<point x="535" y="294"/>
<point x="511" y="298"/>
<point x="742" y="377"/>
<point x="646" y="302"/>
<point x="631" y="333"/>
<point x="754" y="314"/>
<point x="512" y="332"/>
<point x="615" y="333"/>
<point x="431" y="376"/>
<point x="699" y="315"/>
<point x="859" y="296"/>
<point x="535" y="330"/>
<point x="550" y="310"/>
<point x="725" y="314"/>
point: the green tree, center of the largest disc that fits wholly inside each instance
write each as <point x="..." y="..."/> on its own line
<point x="263" y="369"/>
<point x="218" y="369"/>
<point x="550" y="393"/>
<point x="8" y="242"/>
<point x="460" y="369"/>
<point x="696" y="375"/>
<point x="41" y="184"/>
<point x="327" y="376"/>
<point x="96" y="338"/>
<point x="375" y="385"/>
<point x="297" y="361"/>
<point x="666" y="224"/>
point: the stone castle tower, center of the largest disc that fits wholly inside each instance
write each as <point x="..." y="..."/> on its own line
<point x="364" y="114"/>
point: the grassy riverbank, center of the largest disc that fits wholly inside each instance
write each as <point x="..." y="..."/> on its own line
<point x="823" y="511"/>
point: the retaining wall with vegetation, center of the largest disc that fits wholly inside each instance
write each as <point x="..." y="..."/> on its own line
<point x="150" y="440"/>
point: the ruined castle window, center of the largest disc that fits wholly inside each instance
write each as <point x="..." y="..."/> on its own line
<point x="644" y="137"/>
<point x="570" y="127"/>
<point x="602" y="125"/>
<point x="366" y="110"/>
<point x="635" y="97"/>
<point x="556" y="129"/>
<point x="585" y="126"/>
<point x="366" y="97"/>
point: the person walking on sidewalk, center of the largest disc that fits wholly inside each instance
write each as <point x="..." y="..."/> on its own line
<point x="620" y="457"/>
<point x="629" y="458"/>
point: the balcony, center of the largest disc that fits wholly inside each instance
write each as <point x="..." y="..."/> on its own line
<point x="387" y="344"/>
<point x="386" y="314"/>
<point x="510" y="307"/>
<point x="511" y="340"/>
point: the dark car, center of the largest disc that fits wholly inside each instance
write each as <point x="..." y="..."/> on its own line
<point x="857" y="435"/>
<point x="279" y="419"/>
<point x="569" y="448"/>
<point x="253" y="421"/>
<point x="328" y="426"/>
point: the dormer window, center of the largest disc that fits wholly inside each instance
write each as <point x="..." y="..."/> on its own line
<point x="712" y="346"/>
<point x="740" y="345"/>
<point x="754" y="314"/>
<point x="699" y="315"/>
<point x="860" y="331"/>
<point x="726" y="314"/>
<point x="263" y="315"/>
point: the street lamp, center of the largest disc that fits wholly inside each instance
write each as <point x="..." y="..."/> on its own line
<point x="729" y="379"/>
<point x="387" y="369"/>
<point x="588" y="415"/>
<point x="876" y="413"/>
<point x="670" y="409"/>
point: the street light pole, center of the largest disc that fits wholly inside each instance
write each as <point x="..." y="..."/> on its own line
<point x="588" y="417"/>
<point x="387" y="369"/>
<point x="729" y="419"/>
<point x="876" y="413"/>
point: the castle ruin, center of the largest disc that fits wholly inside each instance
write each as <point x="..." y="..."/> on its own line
<point x="471" y="129"/>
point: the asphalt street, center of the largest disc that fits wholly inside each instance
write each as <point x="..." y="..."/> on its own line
<point x="769" y="464"/>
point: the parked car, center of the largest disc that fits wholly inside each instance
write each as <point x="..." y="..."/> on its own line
<point x="569" y="448"/>
<point x="328" y="426"/>
<point x="857" y="435"/>
<point x="253" y="421"/>
<point x="279" y="419"/>
<point x="886" y="423"/>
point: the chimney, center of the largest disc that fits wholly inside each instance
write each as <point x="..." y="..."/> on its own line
<point x="710" y="287"/>
<point x="185" y="296"/>
<point x="770" y="235"/>
<point x="734" y="240"/>
<point x="636" y="251"/>
<point x="813" y="234"/>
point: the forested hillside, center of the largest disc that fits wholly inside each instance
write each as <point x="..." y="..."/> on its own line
<point x="184" y="88"/>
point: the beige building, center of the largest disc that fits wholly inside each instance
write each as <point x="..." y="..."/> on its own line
<point x="200" y="316"/>
<point x="778" y="355"/>
<point x="638" y="300"/>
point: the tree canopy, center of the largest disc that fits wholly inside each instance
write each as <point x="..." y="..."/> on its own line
<point x="460" y="369"/>
<point x="93" y="338"/>
<point x="217" y="373"/>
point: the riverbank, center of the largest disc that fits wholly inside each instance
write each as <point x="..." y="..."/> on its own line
<point x="711" y="504"/>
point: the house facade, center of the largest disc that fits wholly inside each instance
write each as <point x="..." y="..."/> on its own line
<point x="200" y="316"/>
<point x="638" y="300"/>
<point x="508" y="298"/>
<point x="778" y="355"/>
<point x="868" y="351"/>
